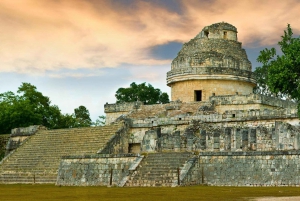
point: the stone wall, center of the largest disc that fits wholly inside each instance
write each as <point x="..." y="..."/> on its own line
<point x="253" y="98"/>
<point x="115" y="110"/>
<point x="248" y="120"/>
<point x="19" y="135"/>
<point x="121" y="107"/>
<point x="3" y="142"/>
<point x="119" y="142"/>
<point x="230" y="117"/>
<point x="274" y="168"/>
<point x="217" y="31"/>
<point x="95" y="170"/>
<point x="207" y="137"/>
<point x="217" y="108"/>
<point x="185" y="91"/>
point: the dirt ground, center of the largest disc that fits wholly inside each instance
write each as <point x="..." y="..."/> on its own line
<point x="295" y="198"/>
<point x="50" y="192"/>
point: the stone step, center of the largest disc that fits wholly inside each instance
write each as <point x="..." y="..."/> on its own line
<point x="150" y="184"/>
<point x="161" y="179"/>
<point x="41" y="154"/>
<point x="159" y="169"/>
<point x="160" y="172"/>
<point x="158" y="162"/>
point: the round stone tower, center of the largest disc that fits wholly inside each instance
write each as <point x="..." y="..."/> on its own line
<point x="212" y="63"/>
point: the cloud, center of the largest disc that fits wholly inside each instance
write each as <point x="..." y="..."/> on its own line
<point x="166" y="51"/>
<point x="258" y="22"/>
<point x="77" y="73"/>
<point x="47" y="35"/>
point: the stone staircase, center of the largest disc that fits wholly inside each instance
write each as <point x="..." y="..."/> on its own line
<point x="37" y="160"/>
<point x="158" y="169"/>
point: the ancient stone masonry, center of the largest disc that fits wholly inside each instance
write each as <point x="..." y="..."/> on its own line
<point x="248" y="76"/>
<point x="212" y="62"/>
<point x="3" y="142"/>
<point x="213" y="47"/>
<point x="96" y="170"/>
<point x="218" y="109"/>
<point x="159" y="169"/>
<point x="274" y="168"/>
<point x="118" y="143"/>
<point x="19" y="135"/>
<point x="252" y="99"/>
<point x="207" y="137"/>
<point x="215" y="131"/>
<point x="38" y="158"/>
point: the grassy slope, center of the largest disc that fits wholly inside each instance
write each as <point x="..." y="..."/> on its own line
<point x="53" y="193"/>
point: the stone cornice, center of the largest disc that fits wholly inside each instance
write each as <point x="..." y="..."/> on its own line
<point x="209" y="73"/>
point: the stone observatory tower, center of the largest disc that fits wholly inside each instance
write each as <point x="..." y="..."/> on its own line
<point x="212" y="63"/>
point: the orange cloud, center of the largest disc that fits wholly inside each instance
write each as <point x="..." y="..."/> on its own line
<point x="39" y="35"/>
<point x="257" y="21"/>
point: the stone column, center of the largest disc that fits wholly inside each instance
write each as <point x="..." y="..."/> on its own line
<point x="227" y="140"/>
<point x="238" y="141"/>
<point x="176" y="136"/>
<point x="149" y="141"/>
<point x="245" y="139"/>
<point x="190" y="139"/>
<point x="253" y="139"/>
<point x="202" y="139"/>
<point x="216" y="140"/>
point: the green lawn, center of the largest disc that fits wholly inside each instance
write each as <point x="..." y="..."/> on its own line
<point x="21" y="192"/>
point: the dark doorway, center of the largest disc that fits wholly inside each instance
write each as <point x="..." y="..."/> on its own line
<point x="134" y="148"/>
<point x="198" y="95"/>
<point x="206" y="33"/>
<point x="225" y="35"/>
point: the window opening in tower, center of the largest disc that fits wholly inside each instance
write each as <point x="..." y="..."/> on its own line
<point x="225" y="34"/>
<point x="198" y="95"/>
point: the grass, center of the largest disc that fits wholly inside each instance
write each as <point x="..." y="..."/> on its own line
<point x="24" y="192"/>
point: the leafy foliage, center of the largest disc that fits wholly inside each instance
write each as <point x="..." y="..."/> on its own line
<point x="279" y="74"/>
<point x="82" y="117"/>
<point x="31" y="107"/>
<point x="141" y="92"/>
<point x="100" y="121"/>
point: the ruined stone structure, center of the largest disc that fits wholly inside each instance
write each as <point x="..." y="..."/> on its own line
<point x="3" y="142"/>
<point x="215" y="131"/>
<point x="212" y="63"/>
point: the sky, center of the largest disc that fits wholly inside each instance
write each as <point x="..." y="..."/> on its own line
<point x="79" y="52"/>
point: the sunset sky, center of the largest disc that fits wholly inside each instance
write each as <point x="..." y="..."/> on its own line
<point x="79" y="52"/>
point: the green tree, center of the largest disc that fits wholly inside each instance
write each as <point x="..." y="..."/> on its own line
<point x="40" y="105"/>
<point x="280" y="73"/>
<point x="31" y="107"/>
<point x="16" y="112"/>
<point x="67" y="121"/>
<point x="82" y="117"/>
<point x="141" y="92"/>
<point x="100" y="121"/>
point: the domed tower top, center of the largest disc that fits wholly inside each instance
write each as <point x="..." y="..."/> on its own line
<point x="220" y="30"/>
<point x="212" y="63"/>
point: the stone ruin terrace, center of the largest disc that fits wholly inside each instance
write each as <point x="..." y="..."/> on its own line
<point x="180" y="143"/>
<point x="216" y="109"/>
